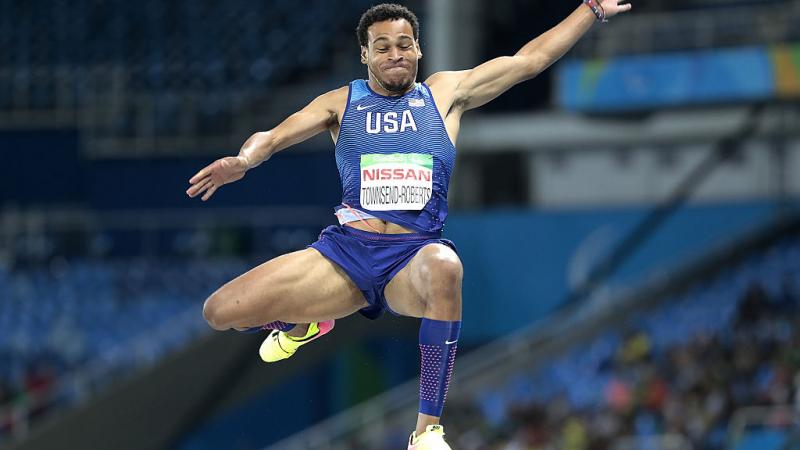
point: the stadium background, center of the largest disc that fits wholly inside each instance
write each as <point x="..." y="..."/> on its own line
<point x="627" y="222"/>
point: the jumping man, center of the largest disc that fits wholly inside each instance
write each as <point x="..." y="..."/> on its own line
<point x="395" y="150"/>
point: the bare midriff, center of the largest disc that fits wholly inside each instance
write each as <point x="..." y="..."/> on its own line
<point x="378" y="226"/>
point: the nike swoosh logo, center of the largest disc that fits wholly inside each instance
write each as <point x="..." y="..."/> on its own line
<point x="450" y="342"/>
<point x="361" y="107"/>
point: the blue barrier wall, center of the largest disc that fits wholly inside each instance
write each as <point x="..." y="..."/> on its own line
<point x="518" y="265"/>
<point x="44" y="167"/>
<point x="287" y="179"/>
<point x="41" y="168"/>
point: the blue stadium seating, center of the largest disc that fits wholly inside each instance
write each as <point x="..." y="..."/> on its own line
<point x="710" y="308"/>
<point x="171" y="46"/>
<point x="72" y="313"/>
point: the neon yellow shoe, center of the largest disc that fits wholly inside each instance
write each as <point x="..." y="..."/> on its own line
<point x="431" y="439"/>
<point x="279" y="345"/>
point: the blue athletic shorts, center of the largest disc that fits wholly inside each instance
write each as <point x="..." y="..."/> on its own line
<point x="371" y="260"/>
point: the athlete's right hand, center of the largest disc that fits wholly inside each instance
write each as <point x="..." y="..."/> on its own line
<point x="210" y="178"/>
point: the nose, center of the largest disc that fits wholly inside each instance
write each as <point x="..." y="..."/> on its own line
<point x="395" y="54"/>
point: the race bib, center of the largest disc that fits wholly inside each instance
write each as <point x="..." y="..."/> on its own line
<point x="396" y="181"/>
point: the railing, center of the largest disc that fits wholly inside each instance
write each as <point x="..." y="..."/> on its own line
<point x="670" y="441"/>
<point x="119" y="118"/>
<point x="29" y="230"/>
<point x="780" y="417"/>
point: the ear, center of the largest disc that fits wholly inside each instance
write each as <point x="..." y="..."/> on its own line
<point x="419" y="50"/>
<point x="363" y="55"/>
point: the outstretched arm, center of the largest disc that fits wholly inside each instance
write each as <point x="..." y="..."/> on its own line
<point x="316" y="117"/>
<point x="485" y="82"/>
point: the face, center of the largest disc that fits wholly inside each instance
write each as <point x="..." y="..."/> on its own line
<point x="392" y="55"/>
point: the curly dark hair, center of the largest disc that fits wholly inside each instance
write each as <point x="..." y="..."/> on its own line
<point x="382" y="12"/>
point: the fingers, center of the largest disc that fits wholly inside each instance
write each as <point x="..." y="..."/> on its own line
<point x="200" y="175"/>
<point x="203" y="173"/>
<point x="210" y="192"/>
<point x="624" y="5"/>
<point x="203" y="181"/>
<point x="617" y="7"/>
<point x="198" y="187"/>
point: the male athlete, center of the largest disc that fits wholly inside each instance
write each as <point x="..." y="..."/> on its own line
<point x="395" y="150"/>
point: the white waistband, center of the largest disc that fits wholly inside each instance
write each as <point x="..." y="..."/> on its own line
<point x="346" y="214"/>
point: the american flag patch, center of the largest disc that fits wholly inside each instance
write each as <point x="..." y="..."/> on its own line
<point x="416" y="102"/>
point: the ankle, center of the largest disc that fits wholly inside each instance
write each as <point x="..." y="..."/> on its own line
<point x="423" y="420"/>
<point x="299" y="330"/>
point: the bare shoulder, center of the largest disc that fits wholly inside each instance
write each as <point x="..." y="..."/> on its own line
<point x="446" y="79"/>
<point x="334" y="99"/>
<point x="329" y="105"/>
<point x="444" y="87"/>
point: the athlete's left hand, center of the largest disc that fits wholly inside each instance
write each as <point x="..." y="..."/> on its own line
<point x="614" y="7"/>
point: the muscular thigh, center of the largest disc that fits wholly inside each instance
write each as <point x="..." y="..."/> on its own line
<point x="298" y="287"/>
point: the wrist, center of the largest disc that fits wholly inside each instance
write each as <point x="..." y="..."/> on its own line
<point x="256" y="150"/>
<point x="597" y="9"/>
<point x="246" y="161"/>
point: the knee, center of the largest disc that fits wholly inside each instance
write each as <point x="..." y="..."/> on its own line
<point x="447" y="270"/>
<point x="444" y="273"/>
<point x="212" y="311"/>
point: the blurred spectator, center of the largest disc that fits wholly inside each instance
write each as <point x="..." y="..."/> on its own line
<point x="636" y="348"/>
<point x="754" y="305"/>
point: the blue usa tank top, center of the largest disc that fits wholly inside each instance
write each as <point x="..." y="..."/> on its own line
<point x="395" y="157"/>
